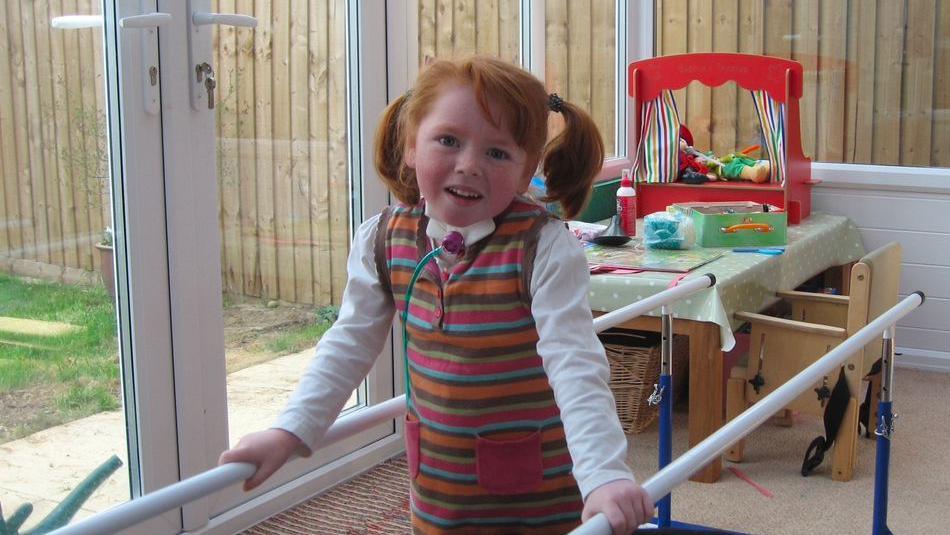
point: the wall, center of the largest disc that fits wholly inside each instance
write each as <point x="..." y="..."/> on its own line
<point x="875" y="74"/>
<point x="917" y="218"/>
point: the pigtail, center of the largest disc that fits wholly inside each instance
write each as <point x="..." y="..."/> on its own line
<point x="389" y="145"/>
<point x="572" y="160"/>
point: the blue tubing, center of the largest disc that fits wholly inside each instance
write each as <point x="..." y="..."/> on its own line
<point x="881" y="468"/>
<point x="666" y="445"/>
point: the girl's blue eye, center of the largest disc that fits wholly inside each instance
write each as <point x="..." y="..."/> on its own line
<point x="497" y="154"/>
<point x="448" y="141"/>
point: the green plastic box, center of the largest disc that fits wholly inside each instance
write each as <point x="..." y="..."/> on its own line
<point x="735" y="224"/>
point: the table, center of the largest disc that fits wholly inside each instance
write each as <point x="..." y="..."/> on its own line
<point x="744" y="281"/>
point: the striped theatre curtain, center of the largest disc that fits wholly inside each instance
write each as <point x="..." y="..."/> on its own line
<point x="772" y="120"/>
<point x="657" y="157"/>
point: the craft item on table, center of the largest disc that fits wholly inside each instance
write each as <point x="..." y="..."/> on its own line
<point x="634" y="257"/>
<point x="773" y="251"/>
<point x="585" y="231"/>
<point x="667" y="230"/>
<point x="613" y="235"/>
<point x="735" y="223"/>
<point x="627" y="204"/>
<point x="598" y="269"/>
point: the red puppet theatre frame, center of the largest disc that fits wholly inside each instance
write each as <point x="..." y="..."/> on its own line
<point x="780" y="78"/>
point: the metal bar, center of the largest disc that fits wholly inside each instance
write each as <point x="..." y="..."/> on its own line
<point x="715" y="444"/>
<point x="882" y="463"/>
<point x="665" y="446"/>
<point x="884" y="429"/>
<point x="135" y="511"/>
<point x="654" y="301"/>
<point x="887" y="365"/>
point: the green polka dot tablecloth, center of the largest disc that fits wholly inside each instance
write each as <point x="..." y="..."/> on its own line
<point x="744" y="281"/>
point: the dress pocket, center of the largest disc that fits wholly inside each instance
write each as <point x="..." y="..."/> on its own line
<point x="412" y="446"/>
<point x="509" y="466"/>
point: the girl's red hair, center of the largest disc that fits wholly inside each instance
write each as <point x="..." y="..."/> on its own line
<point x="570" y="161"/>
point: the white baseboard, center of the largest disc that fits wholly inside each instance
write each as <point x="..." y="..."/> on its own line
<point x="923" y="359"/>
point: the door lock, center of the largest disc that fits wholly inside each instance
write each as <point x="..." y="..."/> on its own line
<point x="204" y="71"/>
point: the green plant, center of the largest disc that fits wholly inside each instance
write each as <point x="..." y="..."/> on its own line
<point x="64" y="512"/>
<point x="328" y="314"/>
<point x="91" y="161"/>
<point x="107" y="237"/>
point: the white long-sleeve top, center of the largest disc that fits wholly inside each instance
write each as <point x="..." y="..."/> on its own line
<point x="572" y="356"/>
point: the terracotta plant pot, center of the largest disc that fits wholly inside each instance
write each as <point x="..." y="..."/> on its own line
<point x="107" y="268"/>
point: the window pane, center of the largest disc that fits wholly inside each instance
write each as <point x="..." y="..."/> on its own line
<point x="875" y="88"/>
<point x="61" y="409"/>
<point x="450" y="28"/>
<point x="284" y="195"/>
<point x="580" y="59"/>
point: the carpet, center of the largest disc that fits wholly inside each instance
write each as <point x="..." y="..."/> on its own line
<point x="374" y="503"/>
<point x="764" y="494"/>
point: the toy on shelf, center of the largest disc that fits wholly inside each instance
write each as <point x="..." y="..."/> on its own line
<point x="782" y="180"/>
<point x="697" y="167"/>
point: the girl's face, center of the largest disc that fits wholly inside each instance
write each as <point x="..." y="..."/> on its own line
<point x="467" y="169"/>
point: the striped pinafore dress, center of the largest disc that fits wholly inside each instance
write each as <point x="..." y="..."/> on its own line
<point x="484" y="438"/>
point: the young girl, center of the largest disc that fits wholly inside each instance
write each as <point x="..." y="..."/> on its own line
<point x="511" y="427"/>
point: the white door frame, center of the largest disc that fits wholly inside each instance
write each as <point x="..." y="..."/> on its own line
<point x="135" y="147"/>
<point x="194" y="274"/>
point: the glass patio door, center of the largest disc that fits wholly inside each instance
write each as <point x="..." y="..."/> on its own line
<point x="83" y="283"/>
<point x="266" y="179"/>
<point x="229" y="216"/>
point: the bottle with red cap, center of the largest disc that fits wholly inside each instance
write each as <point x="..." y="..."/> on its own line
<point x="627" y="204"/>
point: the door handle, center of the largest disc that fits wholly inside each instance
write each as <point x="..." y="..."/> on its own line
<point x="76" y="22"/>
<point x="148" y="20"/>
<point x="199" y="46"/>
<point x="224" y="19"/>
<point x="149" y="24"/>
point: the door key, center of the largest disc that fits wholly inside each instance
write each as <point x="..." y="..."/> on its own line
<point x="210" y="84"/>
<point x="204" y="70"/>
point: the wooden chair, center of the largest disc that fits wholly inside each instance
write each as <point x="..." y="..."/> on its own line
<point x="780" y="348"/>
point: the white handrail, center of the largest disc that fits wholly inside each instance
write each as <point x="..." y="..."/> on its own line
<point x="655" y="301"/>
<point x="135" y="511"/>
<point x="155" y="503"/>
<point x="661" y="483"/>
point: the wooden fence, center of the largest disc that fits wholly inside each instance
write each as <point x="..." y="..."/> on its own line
<point x="876" y="92"/>
<point x="876" y="74"/>
<point x="579" y="45"/>
<point x="53" y="156"/>
<point x="282" y="150"/>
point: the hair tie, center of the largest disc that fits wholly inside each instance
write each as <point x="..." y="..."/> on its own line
<point x="556" y="103"/>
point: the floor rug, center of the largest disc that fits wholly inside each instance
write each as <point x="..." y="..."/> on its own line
<point x="373" y="503"/>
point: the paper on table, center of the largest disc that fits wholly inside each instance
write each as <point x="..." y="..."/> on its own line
<point x="635" y="257"/>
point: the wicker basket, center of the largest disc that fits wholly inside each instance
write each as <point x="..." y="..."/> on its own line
<point x="634" y="359"/>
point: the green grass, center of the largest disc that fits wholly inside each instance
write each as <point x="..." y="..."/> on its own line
<point x="78" y="370"/>
<point x="303" y="337"/>
<point x="297" y="339"/>
<point x="67" y="377"/>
